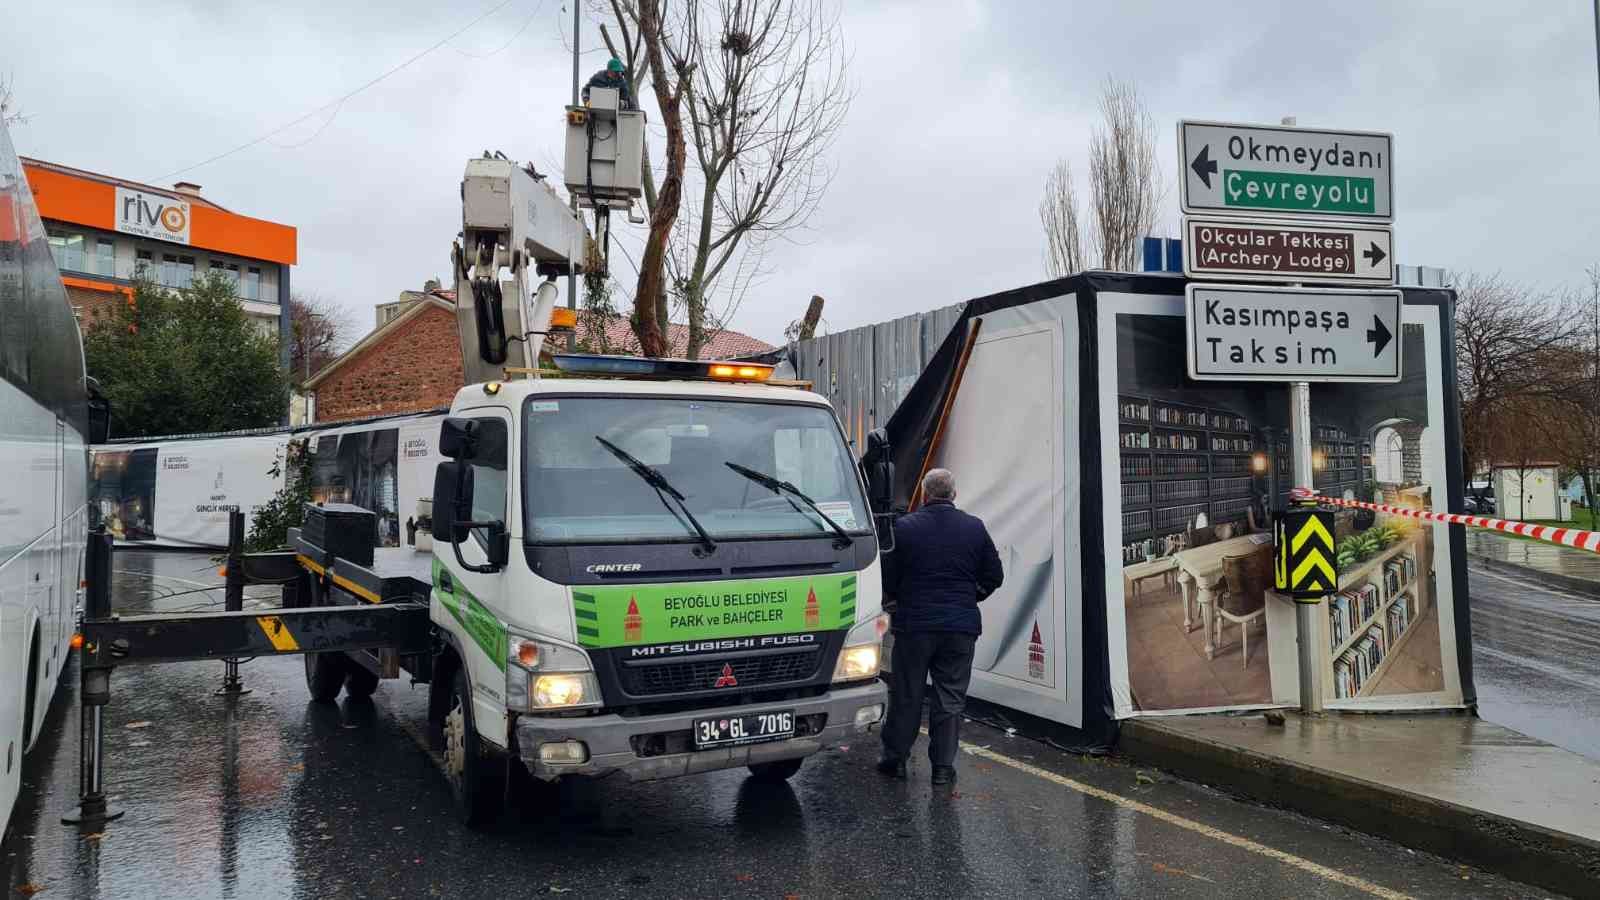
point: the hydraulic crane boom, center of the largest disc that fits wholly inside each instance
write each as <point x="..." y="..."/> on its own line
<point x="515" y="231"/>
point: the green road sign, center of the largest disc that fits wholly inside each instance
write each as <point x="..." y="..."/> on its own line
<point x="1262" y="169"/>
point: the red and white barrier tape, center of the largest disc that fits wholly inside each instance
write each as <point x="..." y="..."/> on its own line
<point x="1566" y="537"/>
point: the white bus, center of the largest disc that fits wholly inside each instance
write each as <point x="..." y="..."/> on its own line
<point x="44" y="427"/>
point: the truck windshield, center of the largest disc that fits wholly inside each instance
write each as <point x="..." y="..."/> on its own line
<point x="579" y="491"/>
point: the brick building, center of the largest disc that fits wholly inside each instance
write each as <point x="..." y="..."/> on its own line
<point x="412" y="361"/>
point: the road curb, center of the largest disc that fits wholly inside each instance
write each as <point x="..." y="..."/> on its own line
<point x="1518" y="850"/>
<point x="1588" y="589"/>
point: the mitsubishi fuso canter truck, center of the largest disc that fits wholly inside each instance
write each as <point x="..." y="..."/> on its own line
<point x="639" y="567"/>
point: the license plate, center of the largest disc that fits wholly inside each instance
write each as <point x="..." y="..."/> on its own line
<point x="734" y="731"/>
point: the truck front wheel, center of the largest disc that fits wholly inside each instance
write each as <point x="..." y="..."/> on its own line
<point x="782" y="770"/>
<point x="473" y="769"/>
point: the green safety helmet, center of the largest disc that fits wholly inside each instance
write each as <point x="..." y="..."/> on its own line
<point x="615" y="65"/>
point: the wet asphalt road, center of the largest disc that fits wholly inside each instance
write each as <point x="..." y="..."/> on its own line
<point x="1536" y="660"/>
<point x="271" y="796"/>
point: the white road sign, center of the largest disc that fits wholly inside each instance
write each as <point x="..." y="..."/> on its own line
<point x="1282" y="171"/>
<point x="1287" y="250"/>
<point x="1244" y="333"/>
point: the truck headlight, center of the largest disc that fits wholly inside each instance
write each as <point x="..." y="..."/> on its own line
<point x="862" y="655"/>
<point x="565" y="690"/>
<point x="541" y="675"/>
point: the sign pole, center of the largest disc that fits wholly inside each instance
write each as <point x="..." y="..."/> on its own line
<point x="1305" y="625"/>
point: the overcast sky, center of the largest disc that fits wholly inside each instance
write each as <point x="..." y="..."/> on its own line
<point x="960" y="109"/>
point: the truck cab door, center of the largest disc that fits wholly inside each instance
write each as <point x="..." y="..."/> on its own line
<point x="473" y="602"/>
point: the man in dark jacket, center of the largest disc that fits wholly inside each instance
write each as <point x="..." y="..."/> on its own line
<point x="611" y="77"/>
<point x="943" y="564"/>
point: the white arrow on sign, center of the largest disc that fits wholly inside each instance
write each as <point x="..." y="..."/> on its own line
<point x="1287" y="250"/>
<point x="1267" y="170"/>
<point x="1248" y="333"/>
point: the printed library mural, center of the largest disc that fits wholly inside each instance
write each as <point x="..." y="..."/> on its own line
<point x="1203" y="465"/>
<point x="360" y="467"/>
<point x="124" y="492"/>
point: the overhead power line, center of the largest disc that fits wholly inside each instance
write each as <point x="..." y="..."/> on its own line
<point x="339" y="101"/>
<point x="509" y="41"/>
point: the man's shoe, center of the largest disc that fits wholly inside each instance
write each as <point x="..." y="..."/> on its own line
<point x="944" y="774"/>
<point x="894" y="768"/>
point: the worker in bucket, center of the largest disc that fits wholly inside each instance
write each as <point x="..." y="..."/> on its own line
<point x="943" y="565"/>
<point x="611" y="77"/>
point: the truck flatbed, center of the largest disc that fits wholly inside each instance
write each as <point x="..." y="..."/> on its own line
<point x="396" y="573"/>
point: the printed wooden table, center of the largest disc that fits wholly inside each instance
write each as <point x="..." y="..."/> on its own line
<point x="1200" y="577"/>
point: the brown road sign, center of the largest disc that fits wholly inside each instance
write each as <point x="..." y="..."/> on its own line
<point x="1287" y="250"/>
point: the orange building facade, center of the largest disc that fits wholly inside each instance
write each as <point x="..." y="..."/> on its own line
<point x="104" y="231"/>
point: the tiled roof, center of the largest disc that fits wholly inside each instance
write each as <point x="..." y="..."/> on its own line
<point x="722" y="345"/>
<point x="620" y="338"/>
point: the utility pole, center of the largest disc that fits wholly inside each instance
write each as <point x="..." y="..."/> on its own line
<point x="1597" y="38"/>
<point x="572" y="278"/>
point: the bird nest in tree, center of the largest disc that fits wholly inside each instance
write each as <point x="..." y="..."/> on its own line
<point x="739" y="43"/>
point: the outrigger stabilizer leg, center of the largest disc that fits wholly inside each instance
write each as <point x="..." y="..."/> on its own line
<point x="94" y="670"/>
<point x="233" y="601"/>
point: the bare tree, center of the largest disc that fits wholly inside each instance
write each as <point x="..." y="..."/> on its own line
<point x="1573" y="429"/>
<point x="1524" y="436"/>
<point x="769" y="94"/>
<point x="318" y="328"/>
<point x="10" y="112"/>
<point x="649" y="50"/>
<point x="1125" y="183"/>
<point x="1509" y="344"/>
<point x="1058" y="215"/>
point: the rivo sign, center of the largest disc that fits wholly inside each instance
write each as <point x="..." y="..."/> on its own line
<point x="1304" y="564"/>
<point x="155" y="216"/>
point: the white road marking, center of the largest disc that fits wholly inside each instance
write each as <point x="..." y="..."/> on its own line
<point x="1288" y="859"/>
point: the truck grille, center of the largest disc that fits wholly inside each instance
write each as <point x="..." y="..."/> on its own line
<point x="703" y="674"/>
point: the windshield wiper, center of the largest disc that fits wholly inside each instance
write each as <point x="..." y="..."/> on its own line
<point x="778" y="486"/>
<point x="663" y="488"/>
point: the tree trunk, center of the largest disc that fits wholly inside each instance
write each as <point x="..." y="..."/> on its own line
<point x="808" y="325"/>
<point x="1588" y="499"/>
<point x="650" y="300"/>
<point x="694" y="293"/>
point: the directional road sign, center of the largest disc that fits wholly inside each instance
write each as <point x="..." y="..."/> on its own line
<point x="1249" y="333"/>
<point x="1282" y="171"/>
<point x="1286" y="250"/>
<point x="1304" y="564"/>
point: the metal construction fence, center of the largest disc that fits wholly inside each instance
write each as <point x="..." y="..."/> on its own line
<point x="866" y="371"/>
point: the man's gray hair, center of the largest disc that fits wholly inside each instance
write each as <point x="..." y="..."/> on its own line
<point x="939" y="484"/>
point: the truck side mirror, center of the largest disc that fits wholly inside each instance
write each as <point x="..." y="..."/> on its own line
<point x="452" y="501"/>
<point x="457" y="439"/>
<point x="884" y="523"/>
<point x="496" y="544"/>
<point x="99" y="413"/>
<point x="877" y="468"/>
<point x="452" y="518"/>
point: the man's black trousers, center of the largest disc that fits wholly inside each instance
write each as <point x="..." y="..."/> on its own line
<point x="946" y="657"/>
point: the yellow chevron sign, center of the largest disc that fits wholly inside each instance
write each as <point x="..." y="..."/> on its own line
<point x="1304" y="563"/>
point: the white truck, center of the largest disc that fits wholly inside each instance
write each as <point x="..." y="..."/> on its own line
<point x="652" y="567"/>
